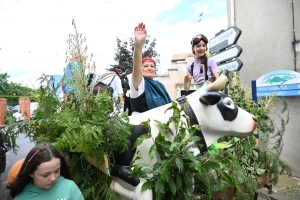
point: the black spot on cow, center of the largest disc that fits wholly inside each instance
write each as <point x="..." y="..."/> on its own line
<point x="121" y="168"/>
<point x="210" y="98"/>
<point x="228" y="109"/>
<point x="126" y="157"/>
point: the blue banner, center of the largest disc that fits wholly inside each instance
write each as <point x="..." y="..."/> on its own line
<point x="276" y="88"/>
<point x="279" y="93"/>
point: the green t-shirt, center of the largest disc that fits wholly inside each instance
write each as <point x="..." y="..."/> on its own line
<point x="63" y="189"/>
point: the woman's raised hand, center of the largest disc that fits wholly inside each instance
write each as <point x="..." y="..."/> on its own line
<point x="140" y="33"/>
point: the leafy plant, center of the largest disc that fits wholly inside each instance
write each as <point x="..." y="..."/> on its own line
<point x="12" y="88"/>
<point x="269" y="130"/>
<point x="82" y="125"/>
<point x="9" y="119"/>
<point x="172" y="176"/>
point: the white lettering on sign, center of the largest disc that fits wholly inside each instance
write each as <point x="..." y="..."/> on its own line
<point x="221" y="38"/>
<point x="224" y="40"/>
<point x="275" y="88"/>
<point x="281" y="93"/>
<point x="229" y="66"/>
<point x="228" y="54"/>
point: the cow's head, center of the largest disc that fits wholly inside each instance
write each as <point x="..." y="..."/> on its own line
<point x="218" y="115"/>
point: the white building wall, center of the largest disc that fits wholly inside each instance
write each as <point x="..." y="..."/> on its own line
<point x="267" y="41"/>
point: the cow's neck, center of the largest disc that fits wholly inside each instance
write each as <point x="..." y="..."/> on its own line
<point x="193" y="120"/>
<point x="193" y="99"/>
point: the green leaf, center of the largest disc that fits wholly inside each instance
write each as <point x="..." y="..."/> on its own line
<point x="160" y="185"/>
<point x="164" y="127"/>
<point x="195" y="139"/>
<point x="166" y="174"/>
<point x="226" y="178"/>
<point x="152" y="151"/>
<point x="179" y="164"/>
<point x="146" y="123"/>
<point x="172" y="186"/>
<point x="165" y="144"/>
<point x="157" y="167"/>
<point x="178" y="182"/>
<point x="147" y="186"/>
<point x="140" y="139"/>
<point x="175" y="145"/>
<point x="186" y="197"/>
<point x="139" y="166"/>
<point x="188" y="181"/>
<point x="160" y="196"/>
<point x="136" y="158"/>
<point x="186" y="139"/>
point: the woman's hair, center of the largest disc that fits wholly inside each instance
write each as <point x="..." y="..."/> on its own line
<point x="39" y="154"/>
<point x="148" y="59"/>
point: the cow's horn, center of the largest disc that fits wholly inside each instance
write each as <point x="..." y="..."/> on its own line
<point x="219" y="83"/>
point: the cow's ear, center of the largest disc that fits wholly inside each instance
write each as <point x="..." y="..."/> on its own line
<point x="210" y="98"/>
<point x="225" y="72"/>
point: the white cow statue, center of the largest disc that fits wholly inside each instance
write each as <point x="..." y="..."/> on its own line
<point x="215" y="112"/>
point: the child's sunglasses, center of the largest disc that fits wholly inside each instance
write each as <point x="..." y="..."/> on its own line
<point x="197" y="39"/>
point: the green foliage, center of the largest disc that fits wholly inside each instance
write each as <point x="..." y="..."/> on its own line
<point x="124" y="56"/>
<point x="11" y="100"/>
<point x="172" y="176"/>
<point x="9" y="119"/>
<point x="12" y="88"/>
<point x="90" y="180"/>
<point x="83" y="125"/>
<point x="3" y="83"/>
<point x="269" y="131"/>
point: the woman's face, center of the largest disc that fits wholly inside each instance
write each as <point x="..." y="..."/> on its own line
<point x="199" y="49"/>
<point x="46" y="174"/>
<point x="148" y="69"/>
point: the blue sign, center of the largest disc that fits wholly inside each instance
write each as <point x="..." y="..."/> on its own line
<point x="278" y="77"/>
<point x="279" y="93"/>
<point x="278" y="83"/>
<point x="276" y="88"/>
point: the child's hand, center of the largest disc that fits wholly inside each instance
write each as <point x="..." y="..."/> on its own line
<point x="188" y="78"/>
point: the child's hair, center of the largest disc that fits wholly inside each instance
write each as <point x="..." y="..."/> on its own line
<point x="40" y="153"/>
<point x="196" y="40"/>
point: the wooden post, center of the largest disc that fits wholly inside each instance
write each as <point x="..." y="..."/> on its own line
<point x="24" y="106"/>
<point x="104" y="167"/>
<point x="3" y="110"/>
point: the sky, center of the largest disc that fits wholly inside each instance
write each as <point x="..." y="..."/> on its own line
<point x="34" y="33"/>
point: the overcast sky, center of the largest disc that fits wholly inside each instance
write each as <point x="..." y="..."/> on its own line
<point x="34" y="33"/>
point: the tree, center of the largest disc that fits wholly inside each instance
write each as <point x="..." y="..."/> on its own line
<point x="12" y="88"/>
<point x="3" y="83"/>
<point x="124" y="56"/>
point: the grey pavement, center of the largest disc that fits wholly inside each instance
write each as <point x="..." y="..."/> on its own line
<point x="288" y="188"/>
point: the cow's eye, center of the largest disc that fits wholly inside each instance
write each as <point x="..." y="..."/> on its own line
<point x="228" y="102"/>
